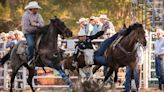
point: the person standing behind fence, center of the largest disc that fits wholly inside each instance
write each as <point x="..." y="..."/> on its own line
<point x="91" y="27"/>
<point x="139" y="60"/>
<point x="159" y="45"/>
<point x="83" y="24"/>
<point x="31" y="21"/>
<point x="104" y="20"/>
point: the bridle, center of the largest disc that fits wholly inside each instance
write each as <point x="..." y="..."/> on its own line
<point x="61" y="30"/>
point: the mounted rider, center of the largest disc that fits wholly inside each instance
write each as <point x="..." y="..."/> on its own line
<point x="85" y="42"/>
<point x="31" y="21"/>
<point x="116" y="38"/>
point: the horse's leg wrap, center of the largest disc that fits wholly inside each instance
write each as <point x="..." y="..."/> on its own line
<point x="65" y="77"/>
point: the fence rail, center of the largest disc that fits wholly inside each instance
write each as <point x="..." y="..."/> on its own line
<point x="21" y="79"/>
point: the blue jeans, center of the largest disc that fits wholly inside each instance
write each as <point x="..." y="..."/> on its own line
<point x="158" y="69"/>
<point x="30" y="38"/>
<point x="128" y="78"/>
<point x="162" y="72"/>
<point x="99" y="54"/>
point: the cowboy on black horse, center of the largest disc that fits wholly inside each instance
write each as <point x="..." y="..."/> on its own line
<point x="31" y="21"/>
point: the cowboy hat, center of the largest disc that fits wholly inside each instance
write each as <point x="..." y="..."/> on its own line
<point x="81" y="20"/>
<point x="82" y="33"/>
<point x="3" y="34"/>
<point x="103" y="16"/>
<point x="32" y="4"/>
<point x="159" y="30"/>
<point x="92" y="17"/>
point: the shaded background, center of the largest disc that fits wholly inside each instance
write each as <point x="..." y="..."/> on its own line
<point x="70" y="11"/>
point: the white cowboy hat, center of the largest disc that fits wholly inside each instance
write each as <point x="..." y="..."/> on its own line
<point x="81" y="20"/>
<point x="82" y="33"/>
<point x="92" y="17"/>
<point x="32" y="4"/>
<point x="159" y="30"/>
<point x="3" y="34"/>
<point x="11" y="33"/>
<point x="103" y="16"/>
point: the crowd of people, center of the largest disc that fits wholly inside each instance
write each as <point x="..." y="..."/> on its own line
<point x="10" y="39"/>
<point x="94" y="24"/>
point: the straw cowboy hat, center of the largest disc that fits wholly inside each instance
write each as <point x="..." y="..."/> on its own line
<point x="103" y="16"/>
<point x="32" y="4"/>
<point x="81" y="20"/>
<point x="82" y="33"/>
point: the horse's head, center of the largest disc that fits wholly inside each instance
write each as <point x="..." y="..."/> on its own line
<point x="138" y="33"/>
<point x="61" y="27"/>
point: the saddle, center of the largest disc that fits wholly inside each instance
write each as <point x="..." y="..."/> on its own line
<point x="22" y="46"/>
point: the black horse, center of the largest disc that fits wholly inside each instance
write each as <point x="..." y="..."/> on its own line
<point x="47" y="52"/>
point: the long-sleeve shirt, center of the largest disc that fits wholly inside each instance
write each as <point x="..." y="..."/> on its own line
<point x="87" y="44"/>
<point x="159" y="46"/>
<point x="27" y="20"/>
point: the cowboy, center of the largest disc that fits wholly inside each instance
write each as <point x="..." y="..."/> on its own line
<point x="159" y="44"/>
<point x="31" y="21"/>
<point x="91" y="26"/>
<point x="83" y="24"/>
<point x="85" y="42"/>
<point x="11" y="40"/>
<point x="99" y="54"/>
<point x="104" y="20"/>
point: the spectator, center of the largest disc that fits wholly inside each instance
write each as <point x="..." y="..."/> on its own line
<point x="83" y="24"/>
<point x="19" y="36"/>
<point x="158" y="51"/>
<point x="91" y="26"/>
<point x="104" y="20"/>
<point x="140" y="59"/>
<point x="4" y="36"/>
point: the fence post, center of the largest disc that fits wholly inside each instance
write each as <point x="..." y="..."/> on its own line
<point x="24" y="77"/>
<point x="5" y="86"/>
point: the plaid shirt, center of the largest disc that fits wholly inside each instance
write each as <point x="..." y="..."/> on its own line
<point x="27" y="20"/>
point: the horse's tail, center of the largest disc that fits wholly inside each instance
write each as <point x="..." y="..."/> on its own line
<point x="5" y="58"/>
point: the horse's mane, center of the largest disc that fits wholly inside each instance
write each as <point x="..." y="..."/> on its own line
<point x="43" y="30"/>
<point x="134" y="27"/>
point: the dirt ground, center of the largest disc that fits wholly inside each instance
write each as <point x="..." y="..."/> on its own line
<point x="65" y="90"/>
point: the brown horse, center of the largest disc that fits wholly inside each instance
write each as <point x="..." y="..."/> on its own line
<point x="125" y="52"/>
<point x="85" y="85"/>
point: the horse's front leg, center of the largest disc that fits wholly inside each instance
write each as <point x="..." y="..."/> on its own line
<point x="14" y="72"/>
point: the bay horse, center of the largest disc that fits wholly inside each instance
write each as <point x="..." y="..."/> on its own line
<point x="125" y="52"/>
<point x="47" y="52"/>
